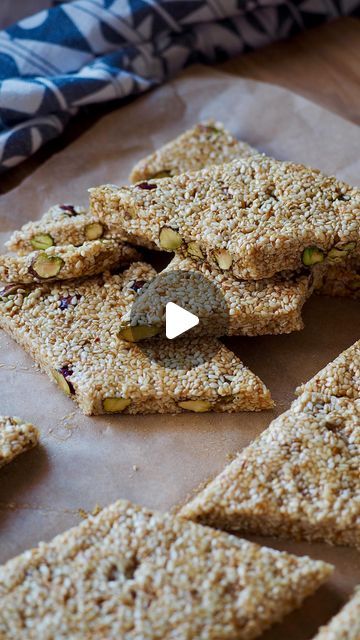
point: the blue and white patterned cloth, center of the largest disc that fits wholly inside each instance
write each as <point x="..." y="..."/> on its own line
<point x="83" y="52"/>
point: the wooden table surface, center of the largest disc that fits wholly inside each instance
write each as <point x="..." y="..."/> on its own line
<point x="323" y="64"/>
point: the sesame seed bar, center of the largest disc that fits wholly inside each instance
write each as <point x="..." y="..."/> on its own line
<point x="203" y="145"/>
<point x="346" y="625"/>
<point x="255" y="216"/>
<point x="224" y="305"/>
<point x="258" y="307"/>
<point x="16" y="436"/>
<point x="66" y="262"/>
<point x="71" y="329"/>
<point x="62" y="225"/>
<point x="132" y="573"/>
<point x="299" y="479"/>
<point x="339" y="378"/>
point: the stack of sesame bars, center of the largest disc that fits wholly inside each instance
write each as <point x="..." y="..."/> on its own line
<point x="267" y="234"/>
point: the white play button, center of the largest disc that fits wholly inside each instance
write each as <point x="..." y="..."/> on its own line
<point x="178" y="320"/>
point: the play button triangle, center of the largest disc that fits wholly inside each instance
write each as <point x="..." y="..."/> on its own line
<point x="178" y="320"/>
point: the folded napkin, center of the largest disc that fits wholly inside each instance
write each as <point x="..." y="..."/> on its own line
<point x="79" y="53"/>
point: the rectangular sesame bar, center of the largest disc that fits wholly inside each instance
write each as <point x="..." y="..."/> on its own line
<point x="255" y="216"/>
<point x="133" y="573"/>
<point x="346" y="625"/>
<point x="223" y="304"/>
<point x="66" y="261"/>
<point x="203" y="145"/>
<point x="16" y="436"/>
<point x="61" y="225"/>
<point x="71" y="329"/>
<point x="299" y="479"/>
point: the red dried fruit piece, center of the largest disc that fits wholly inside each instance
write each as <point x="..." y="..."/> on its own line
<point x="65" y="302"/>
<point x="137" y="285"/>
<point x="69" y="208"/>
<point x="146" y="185"/>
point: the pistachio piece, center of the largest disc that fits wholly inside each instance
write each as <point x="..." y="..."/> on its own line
<point x="42" y="241"/>
<point x="169" y="239"/>
<point x="340" y="251"/>
<point x="194" y="250"/>
<point x="94" y="231"/>
<point x="115" y="404"/>
<point x="138" y="333"/>
<point x="198" y="406"/>
<point x="61" y="378"/>
<point x="161" y="174"/>
<point x="312" y="255"/>
<point x="44" y="266"/>
<point x="334" y="255"/>
<point x="224" y="259"/>
<point x="346" y="246"/>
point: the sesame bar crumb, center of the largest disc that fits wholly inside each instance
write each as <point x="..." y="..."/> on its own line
<point x="16" y="436"/>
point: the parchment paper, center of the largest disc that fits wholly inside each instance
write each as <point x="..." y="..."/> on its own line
<point x="158" y="460"/>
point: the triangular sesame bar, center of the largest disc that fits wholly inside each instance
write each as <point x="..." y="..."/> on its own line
<point x="16" y="436"/>
<point x="203" y="145"/>
<point x="346" y="625"/>
<point x="132" y="573"/>
<point x="300" y="478"/>
<point x="340" y="378"/>
<point x="255" y="216"/>
<point x="71" y="329"/>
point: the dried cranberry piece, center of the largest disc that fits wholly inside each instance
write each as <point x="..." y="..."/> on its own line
<point x="66" y="301"/>
<point x="69" y="208"/>
<point x="137" y="285"/>
<point x="66" y="371"/>
<point x="146" y="185"/>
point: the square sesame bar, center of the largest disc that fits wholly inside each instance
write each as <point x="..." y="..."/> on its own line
<point x="223" y="304"/>
<point x="203" y="145"/>
<point x="346" y="625"/>
<point x="130" y="573"/>
<point x="255" y="216"/>
<point x="71" y="329"/>
<point x="66" y="261"/>
<point x="16" y="436"/>
<point x="299" y="479"/>
<point x="61" y="225"/>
